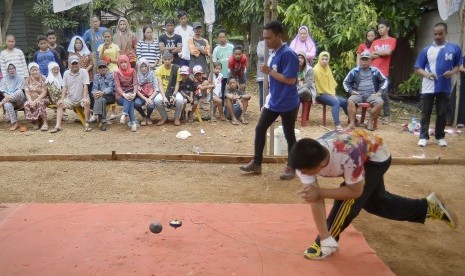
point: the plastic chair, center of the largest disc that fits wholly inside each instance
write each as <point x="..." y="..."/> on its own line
<point x="306" y="106"/>
<point x="365" y="107"/>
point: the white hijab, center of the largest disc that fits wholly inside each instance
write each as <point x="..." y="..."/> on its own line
<point x="51" y="78"/>
<point x="84" y="52"/>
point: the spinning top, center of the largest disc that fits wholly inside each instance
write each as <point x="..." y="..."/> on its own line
<point x="175" y="223"/>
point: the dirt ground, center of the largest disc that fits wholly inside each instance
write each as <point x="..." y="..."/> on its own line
<point x="407" y="248"/>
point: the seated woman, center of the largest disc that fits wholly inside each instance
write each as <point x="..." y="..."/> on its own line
<point x="148" y="89"/>
<point x="326" y="88"/>
<point x="12" y="94"/>
<point x="306" y="80"/>
<point x="37" y="100"/>
<point x="126" y="87"/>
<point x="54" y="82"/>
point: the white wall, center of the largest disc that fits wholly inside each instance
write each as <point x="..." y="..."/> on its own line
<point x="425" y="31"/>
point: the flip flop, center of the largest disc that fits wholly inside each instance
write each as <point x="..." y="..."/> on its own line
<point x="55" y="130"/>
<point x="23" y="129"/>
<point x="44" y="128"/>
<point x="234" y="122"/>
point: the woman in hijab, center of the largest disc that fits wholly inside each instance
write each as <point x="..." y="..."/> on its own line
<point x="12" y="94"/>
<point x="148" y="89"/>
<point x="326" y="88"/>
<point x="126" y="89"/>
<point x="306" y="79"/>
<point x="126" y="40"/>
<point x="86" y="61"/>
<point x="54" y="82"/>
<point x="304" y="42"/>
<point x="37" y="100"/>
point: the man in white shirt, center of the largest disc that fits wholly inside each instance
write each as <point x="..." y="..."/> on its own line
<point x="75" y="93"/>
<point x="186" y="32"/>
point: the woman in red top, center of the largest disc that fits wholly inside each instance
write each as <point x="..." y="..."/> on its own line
<point x="371" y="35"/>
<point x="126" y="87"/>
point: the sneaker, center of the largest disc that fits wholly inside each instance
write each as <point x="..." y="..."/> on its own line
<point x="288" y="174"/>
<point x="436" y="210"/>
<point x="422" y="142"/>
<point x="134" y="127"/>
<point x="442" y="142"/>
<point x="251" y="167"/>
<point x="317" y="252"/>
<point x="122" y="120"/>
<point x="92" y="119"/>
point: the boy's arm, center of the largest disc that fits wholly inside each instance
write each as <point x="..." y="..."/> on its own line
<point x="312" y="193"/>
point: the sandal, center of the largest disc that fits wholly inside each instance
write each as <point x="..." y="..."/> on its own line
<point x="234" y="122"/>
<point x="143" y="123"/>
<point x="214" y="119"/>
<point x="244" y="121"/>
<point x="149" y="122"/>
<point x="370" y="126"/>
<point x="55" y="130"/>
<point x="23" y="129"/>
<point x="44" y="128"/>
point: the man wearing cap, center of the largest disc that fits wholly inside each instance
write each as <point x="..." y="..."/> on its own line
<point x="75" y="92"/>
<point x="199" y="48"/>
<point x="168" y="80"/>
<point x="364" y="84"/>
<point x="103" y="90"/>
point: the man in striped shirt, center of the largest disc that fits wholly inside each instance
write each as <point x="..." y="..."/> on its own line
<point x="13" y="55"/>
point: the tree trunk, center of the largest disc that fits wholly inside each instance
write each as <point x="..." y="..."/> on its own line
<point x="256" y="31"/>
<point x="6" y="20"/>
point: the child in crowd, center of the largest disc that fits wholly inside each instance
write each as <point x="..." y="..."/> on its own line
<point x="237" y="66"/>
<point x="217" y="91"/>
<point x="45" y="55"/>
<point x="236" y="102"/>
<point x="187" y="90"/>
<point x="202" y="86"/>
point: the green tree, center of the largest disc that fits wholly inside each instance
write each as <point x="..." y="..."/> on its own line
<point x="5" y="21"/>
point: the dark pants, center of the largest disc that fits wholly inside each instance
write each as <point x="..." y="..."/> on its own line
<point x="267" y="117"/>
<point x="100" y="106"/>
<point x="224" y="82"/>
<point x="91" y="97"/>
<point x="138" y="103"/>
<point x="441" y="100"/>
<point x="385" y="97"/>
<point x="375" y="200"/>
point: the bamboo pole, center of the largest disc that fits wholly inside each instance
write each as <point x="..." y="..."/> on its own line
<point x="457" y="89"/>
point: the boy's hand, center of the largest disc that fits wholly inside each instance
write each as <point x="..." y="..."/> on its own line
<point x="310" y="193"/>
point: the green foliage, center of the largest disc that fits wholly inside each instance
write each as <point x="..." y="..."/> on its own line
<point x="410" y="87"/>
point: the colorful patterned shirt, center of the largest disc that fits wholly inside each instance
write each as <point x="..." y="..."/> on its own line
<point x="349" y="150"/>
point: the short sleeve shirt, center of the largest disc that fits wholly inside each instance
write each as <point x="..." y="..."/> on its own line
<point x="75" y="84"/>
<point x="283" y="97"/>
<point x="237" y="67"/>
<point x="348" y="152"/>
<point x="171" y="42"/>
<point x="164" y="74"/>
<point x="438" y="60"/>
<point x="383" y="63"/>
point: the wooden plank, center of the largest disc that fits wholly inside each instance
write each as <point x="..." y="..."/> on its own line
<point x="203" y="157"/>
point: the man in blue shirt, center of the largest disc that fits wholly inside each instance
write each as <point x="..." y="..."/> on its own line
<point x="283" y="100"/>
<point x="437" y="63"/>
<point x="98" y="35"/>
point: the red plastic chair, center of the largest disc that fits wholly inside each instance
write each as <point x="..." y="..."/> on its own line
<point x="365" y="107"/>
<point x="306" y="106"/>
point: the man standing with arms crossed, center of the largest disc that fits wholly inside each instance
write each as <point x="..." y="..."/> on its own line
<point x="381" y="53"/>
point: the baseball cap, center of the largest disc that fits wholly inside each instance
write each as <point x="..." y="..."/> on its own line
<point x="365" y="54"/>
<point x="184" y="70"/>
<point x="197" y="69"/>
<point x="73" y="59"/>
<point x="197" y="25"/>
<point x="101" y="63"/>
<point x="167" y="54"/>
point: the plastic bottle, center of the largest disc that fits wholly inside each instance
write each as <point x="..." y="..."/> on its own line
<point x="412" y="125"/>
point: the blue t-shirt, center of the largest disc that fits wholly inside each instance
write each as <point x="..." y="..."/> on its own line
<point x="44" y="58"/>
<point x="438" y="60"/>
<point x="98" y="37"/>
<point x="283" y="97"/>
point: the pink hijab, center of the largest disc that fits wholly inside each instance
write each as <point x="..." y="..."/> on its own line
<point x="308" y="46"/>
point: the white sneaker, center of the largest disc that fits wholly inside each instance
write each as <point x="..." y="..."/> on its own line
<point x="92" y="119"/>
<point x="328" y="247"/>
<point x="442" y="142"/>
<point x="422" y="142"/>
<point x="134" y="127"/>
<point x="123" y="119"/>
